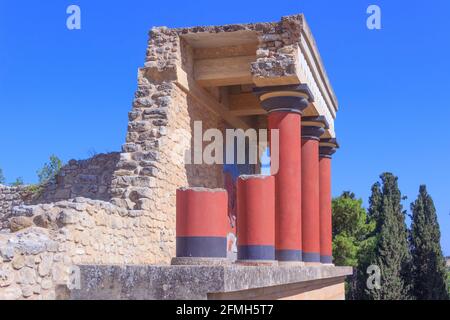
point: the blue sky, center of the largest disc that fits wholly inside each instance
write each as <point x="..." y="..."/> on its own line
<point x="68" y="92"/>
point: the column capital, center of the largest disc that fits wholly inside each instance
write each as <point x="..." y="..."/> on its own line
<point x="327" y="147"/>
<point x="289" y="98"/>
<point x="314" y="127"/>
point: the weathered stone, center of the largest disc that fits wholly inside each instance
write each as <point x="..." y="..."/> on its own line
<point x="46" y="264"/>
<point x="46" y="283"/>
<point x="27" y="291"/>
<point x="68" y="217"/>
<point x="52" y="246"/>
<point x="59" y="273"/>
<point x="18" y="262"/>
<point x="6" y="275"/>
<point x="160" y="122"/>
<point x="30" y="242"/>
<point x="42" y="221"/>
<point x="127" y="165"/>
<point x="130" y="147"/>
<point x="48" y="295"/>
<point x="6" y="252"/>
<point x="139" y="126"/>
<point x="77" y="206"/>
<point x="133" y="115"/>
<point x="19" y="223"/>
<point x="146" y="156"/>
<point x="138" y="193"/>
<point x="30" y="261"/>
<point x="144" y="102"/>
<point x="155" y="113"/>
<point x="27" y="276"/>
<point x="12" y="293"/>
<point x="149" y="171"/>
<point x="22" y="210"/>
<point x="63" y="193"/>
<point x="37" y="289"/>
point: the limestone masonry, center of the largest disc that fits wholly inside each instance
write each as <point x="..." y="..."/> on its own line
<point x="119" y="208"/>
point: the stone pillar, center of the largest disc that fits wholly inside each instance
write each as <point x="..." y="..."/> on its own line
<point x="327" y="148"/>
<point x="201" y="226"/>
<point x="312" y="129"/>
<point x="256" y="219"/>
<point x="284" y="105"/>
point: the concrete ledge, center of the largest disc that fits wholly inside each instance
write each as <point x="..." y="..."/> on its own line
<point x="197" y="282"/>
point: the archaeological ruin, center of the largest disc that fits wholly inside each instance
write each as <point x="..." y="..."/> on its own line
<point x="157" y="221"/>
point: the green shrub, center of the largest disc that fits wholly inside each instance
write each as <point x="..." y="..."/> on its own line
<point x="18" y="182"/>
<point x="50" y="170"/>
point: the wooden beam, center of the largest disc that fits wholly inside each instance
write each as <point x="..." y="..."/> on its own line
<point x="188" y="85"/>
<point x="245" y="104"/>
<point x="248" y="49"/>
<point x="223" y="71"/>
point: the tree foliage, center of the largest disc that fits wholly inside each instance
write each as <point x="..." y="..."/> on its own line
<point x="411" y="262"/>
<point x="2" y="177"/>
<point x="49" y="170"/>
<point x="430" y="273"/>
<point x="350" y="229"/>
<point x="18" y="182"/>
<point x="352" y="237"/>
<point x="392" y="253"/>
<point x="448" y="281"/>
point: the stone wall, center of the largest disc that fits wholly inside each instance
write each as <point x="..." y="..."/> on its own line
<point x="9" y="198"/>
<point x="56" y="237"/>
<point x="89" y="178"/>
<point x="160" y="132"/>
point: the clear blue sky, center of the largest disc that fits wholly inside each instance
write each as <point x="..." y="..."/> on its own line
<point x="68" y="92"/>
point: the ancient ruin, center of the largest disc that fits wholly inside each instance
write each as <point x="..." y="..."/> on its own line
<point x="106" y="226"/>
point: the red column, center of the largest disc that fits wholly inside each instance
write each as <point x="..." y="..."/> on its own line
<point x="287" y="185"/>
<point x="256" y="218"/>
<point x="285" y="105"/>
<point x="313" y="128"/>
<point x="327" y="148"/>
<point x="202" y="222"/>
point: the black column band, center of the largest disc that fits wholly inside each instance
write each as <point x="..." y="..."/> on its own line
<point x="328" y="147"/>
<point x="312" y="133"/>
<point x="288" y="98"/>
<point x="201" y="247"/>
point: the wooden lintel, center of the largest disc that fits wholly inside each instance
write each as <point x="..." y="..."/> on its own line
<point x="190" y="86"/>
<point x="245" y="104"/>
<point x="223" y="71"/>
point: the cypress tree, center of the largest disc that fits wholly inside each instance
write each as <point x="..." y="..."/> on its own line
<point x="366" y="252"/>
<point x="375" y="205"/>
<point x="392" y="253"/>
<point x="430" y="274"/>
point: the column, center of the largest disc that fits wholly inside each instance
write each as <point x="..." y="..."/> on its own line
<point x="327" y="148"/>
<point x="256" y="219"/>
<point x="201" y="225"/>
<point x="312" y="129"/>
<point x="284" y="105"/>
